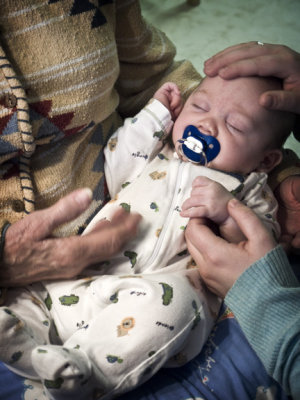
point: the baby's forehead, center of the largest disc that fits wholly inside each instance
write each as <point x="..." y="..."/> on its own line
<point x="238" y="96"/>
<point x="256" y="83"/>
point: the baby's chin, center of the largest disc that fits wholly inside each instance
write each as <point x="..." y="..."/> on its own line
<point x="215" y="165"/>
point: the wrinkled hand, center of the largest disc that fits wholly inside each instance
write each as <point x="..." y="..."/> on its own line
<point x="31" y="253"/>
<point x="221" y="263"/>
<point x="288" y="197"/>
<point x="249" y="59"/>
<point x="169" y="95"/>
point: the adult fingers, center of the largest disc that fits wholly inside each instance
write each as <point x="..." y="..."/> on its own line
<point x="251" y="226"/>
<point x="232" y="55"/>
<point x="106" y="240"/>
<point x="25" y="238"/>
<point x="258" y="65"/>
<point x="296" y="241"/>
<point x="43" y="222"/>
<point x="252" y="59"/>
<point x="201" y="239"/>
<point x="283" y="100"/>
<point x="73" y="254"/>
<point x="221" y="58"/>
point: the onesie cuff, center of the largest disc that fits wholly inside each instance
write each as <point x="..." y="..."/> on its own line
<point x="161" y="114"/>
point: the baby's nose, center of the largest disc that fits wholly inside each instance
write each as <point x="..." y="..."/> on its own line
<point x="208" y="127"/>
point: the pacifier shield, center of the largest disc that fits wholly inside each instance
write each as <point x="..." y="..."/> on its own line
<point x="197" y="147"/>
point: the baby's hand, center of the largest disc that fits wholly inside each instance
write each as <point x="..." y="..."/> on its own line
<point x="208" y="199"/>
<point x="169" y="95"/>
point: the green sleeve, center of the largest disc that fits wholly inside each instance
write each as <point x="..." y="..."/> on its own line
<point x="266" y="302"/>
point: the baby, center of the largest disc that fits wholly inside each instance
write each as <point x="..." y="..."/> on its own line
<point x="109" y="331"/>
<point x="251" y="139"/>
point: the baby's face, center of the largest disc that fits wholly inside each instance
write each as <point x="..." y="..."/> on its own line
<point x="230" y="111"/>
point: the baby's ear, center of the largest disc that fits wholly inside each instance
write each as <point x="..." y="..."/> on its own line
<point x="271" y="159"/>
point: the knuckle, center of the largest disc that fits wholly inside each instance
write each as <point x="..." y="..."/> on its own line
<point x="116" y="243"/>
<point x="69" y="262"/>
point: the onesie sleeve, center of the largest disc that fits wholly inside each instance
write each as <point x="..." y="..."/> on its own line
<point x="135" y="144"/>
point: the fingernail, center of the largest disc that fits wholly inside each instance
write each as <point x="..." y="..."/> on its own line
<point x="233" y="202"/>
<point x="267" y="101"/>
<point x="208" y="61"/>
<point x="84" y="196"/>
<point x="223" y="71"/>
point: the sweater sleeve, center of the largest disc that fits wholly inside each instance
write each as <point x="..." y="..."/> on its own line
<point x="266" y="302"/>
<point x="146" y="59"/>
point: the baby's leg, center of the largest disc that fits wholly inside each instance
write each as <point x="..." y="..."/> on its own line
<point x="24" y="324"/>
<point x="141" y="323"/>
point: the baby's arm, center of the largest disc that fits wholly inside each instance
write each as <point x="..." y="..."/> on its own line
<point x="169" y="95"/>
<point x="209" y="200"/>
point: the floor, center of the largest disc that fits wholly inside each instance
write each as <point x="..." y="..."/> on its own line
<point x="199" y="32"/>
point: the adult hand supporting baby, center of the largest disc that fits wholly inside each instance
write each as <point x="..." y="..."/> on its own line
<point x="31" y="253"/>
<point x="221" y="263"/>
<point x="252" y="59"/>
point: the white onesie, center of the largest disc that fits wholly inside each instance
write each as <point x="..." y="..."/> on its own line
<point x="144" y="308"/>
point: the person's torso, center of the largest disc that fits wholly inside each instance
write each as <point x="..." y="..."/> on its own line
<point x="59" y="64"/>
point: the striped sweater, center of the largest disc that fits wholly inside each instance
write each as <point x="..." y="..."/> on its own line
<point x="65" y="67"/>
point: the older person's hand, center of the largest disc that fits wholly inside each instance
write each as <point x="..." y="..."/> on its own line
<point x="221" y="263"/>
<point x="249" y="59"/>
<point x="31" y="253"/>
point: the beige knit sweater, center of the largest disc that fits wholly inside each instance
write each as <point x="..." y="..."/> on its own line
<point x="65" y="66"/>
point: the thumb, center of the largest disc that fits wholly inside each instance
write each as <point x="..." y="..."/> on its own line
<point x="201" y="239"/>
<point x="283" y="100"/>
<point x="107" y="239"/>
<point x="66" y="209"/>
<point x="251" y="226"/>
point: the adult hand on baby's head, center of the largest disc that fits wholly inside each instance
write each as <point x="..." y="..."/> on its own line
<point x="32" y="254"/>
<point x="221" y="263"/>
<point x="252" y="59"/>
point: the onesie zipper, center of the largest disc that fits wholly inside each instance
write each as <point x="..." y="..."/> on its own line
<point x="168" y="218"/>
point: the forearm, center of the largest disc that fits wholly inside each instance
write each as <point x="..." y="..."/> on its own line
<point x="146" y="60"/>
<point x="266" y="302"/>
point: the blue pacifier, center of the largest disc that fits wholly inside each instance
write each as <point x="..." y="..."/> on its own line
<point x="197" y="147"/>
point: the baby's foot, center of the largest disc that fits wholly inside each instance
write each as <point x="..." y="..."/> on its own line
<point x="62" y="369"/>
<point x="16" y="342"/>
